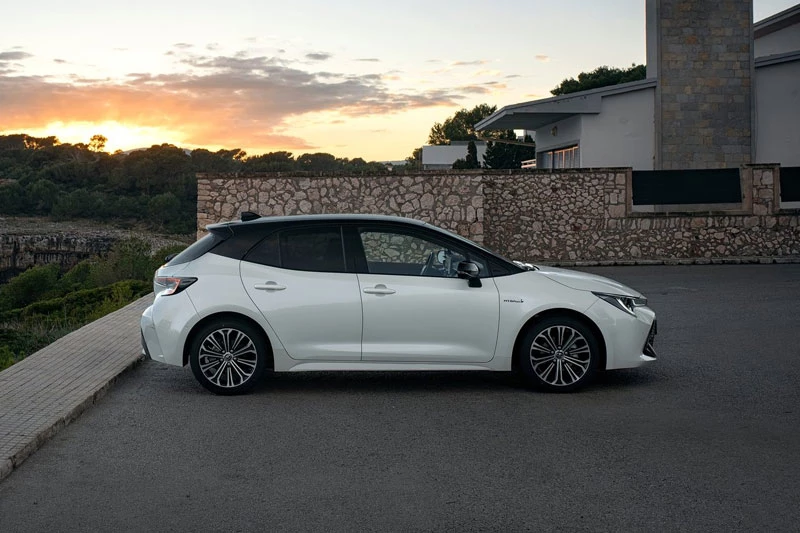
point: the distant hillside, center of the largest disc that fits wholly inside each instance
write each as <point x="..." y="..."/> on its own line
<point x="33" y="241"/>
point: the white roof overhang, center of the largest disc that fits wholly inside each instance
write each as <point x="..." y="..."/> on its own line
<point x="538" y="113"/>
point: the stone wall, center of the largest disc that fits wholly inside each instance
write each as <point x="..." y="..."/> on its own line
<point x="705" y="70"/>
<point x="564" y="217"/>
<point x="452" y="201"/>
<point x="586" y="216"/>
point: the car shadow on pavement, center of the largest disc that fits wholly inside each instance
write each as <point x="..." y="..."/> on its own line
<point x="627" y="378"/>
<point x="386" y="381"/>
<point x="432" y="381"/>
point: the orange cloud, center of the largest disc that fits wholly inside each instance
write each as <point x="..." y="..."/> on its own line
<point x="220" y="101"/>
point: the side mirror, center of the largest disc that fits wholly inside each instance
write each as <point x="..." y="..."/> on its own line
<point x="170" y="257"/>
<point x="471" y="272"/>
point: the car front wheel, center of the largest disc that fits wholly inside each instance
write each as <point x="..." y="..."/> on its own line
<point x="228" y="357"/>
<point x="559" y="354"/>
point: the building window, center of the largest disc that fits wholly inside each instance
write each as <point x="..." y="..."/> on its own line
<point x="569" y="157"/>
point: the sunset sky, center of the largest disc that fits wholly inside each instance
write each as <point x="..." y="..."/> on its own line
<point x="354" y="78"/>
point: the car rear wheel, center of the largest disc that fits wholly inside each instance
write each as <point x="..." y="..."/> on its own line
<point x="559" y="354"/>
<point x="228" y="356"/>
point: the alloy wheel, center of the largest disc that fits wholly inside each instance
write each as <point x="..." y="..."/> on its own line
<point x="560" y="356"/>
<point x="227" y="357"/>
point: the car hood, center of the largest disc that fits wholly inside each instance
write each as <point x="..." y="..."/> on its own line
<point x="585" y="282"/>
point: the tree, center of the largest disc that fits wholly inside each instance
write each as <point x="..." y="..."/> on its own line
<point x="461" y="126"/>
<point x="97" y="143"/>
<point x="43" y="194"/>
<point x="471" y="161"/>
<point x="506" y="155"/>
<point x="414" y="161"/>
<point x="271" y="162"/>
<point x="600" y="77"/>
<point x="220" y="161"/>
<point x="319" y="162"/>
<point x="13" y="200"/>
<point x="164" y="208"/>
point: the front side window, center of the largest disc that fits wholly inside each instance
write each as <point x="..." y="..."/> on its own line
<point x="391" y="252"/>
<point x="313" y="249"/>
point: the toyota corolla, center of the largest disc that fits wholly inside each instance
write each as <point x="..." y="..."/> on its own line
<point x="379" y="293"/>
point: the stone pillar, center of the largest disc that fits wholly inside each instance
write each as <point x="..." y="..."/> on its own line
<point x="705" y="73"/>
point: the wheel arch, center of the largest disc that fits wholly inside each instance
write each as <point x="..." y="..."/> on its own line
<point x="541" y="315"/>
<point x="229" y="315"/>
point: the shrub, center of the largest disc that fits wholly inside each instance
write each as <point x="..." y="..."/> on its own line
<point x="7" y="357"/>
<point x="78" y="203"/>
<point x="29" y="286"/>
<point x="128" y="259"/>
<point x="80" y="305"/>
<point x="77" y="277"/>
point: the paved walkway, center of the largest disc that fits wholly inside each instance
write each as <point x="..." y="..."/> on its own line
<point x="46" y="391"/>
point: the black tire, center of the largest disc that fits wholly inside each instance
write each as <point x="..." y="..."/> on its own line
<point x="565" y="355"/>
<point x="228" y="356"/>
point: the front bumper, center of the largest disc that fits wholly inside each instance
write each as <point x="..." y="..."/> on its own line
<point x="628" y="338"/>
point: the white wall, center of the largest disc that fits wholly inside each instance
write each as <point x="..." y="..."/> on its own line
<point x="778" y="114"/>
<point x="443" y="156"/>
<point x="623" y="135"/>
<point x="567" y="133"/>
<point x="779" y="42"/>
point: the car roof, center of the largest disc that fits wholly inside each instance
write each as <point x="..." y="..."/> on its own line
<point x="294" y="219"/>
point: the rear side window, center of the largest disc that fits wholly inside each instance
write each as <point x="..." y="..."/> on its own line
<point x="313" y="249"/>
<point x="200" y="247"/>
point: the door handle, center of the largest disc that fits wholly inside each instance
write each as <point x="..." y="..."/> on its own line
<point x="269" y="286"/>
<point x="379" y="289"/>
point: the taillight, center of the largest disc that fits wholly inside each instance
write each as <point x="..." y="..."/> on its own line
<point x="173" y="285"/>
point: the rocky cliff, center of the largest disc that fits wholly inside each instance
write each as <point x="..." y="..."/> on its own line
<point x="26" y="242"/>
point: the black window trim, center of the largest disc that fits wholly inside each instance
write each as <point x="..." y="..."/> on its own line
<point x="352" y="248"/>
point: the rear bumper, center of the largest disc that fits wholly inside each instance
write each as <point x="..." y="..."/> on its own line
<point x="150" y="345"/>
<point x="165" y="326"/>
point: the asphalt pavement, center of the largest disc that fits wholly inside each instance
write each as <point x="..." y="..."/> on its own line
<point x="705" y="439"/>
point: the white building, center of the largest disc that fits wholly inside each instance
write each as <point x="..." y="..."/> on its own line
<point x="654" y="123"/>
<point x="443" y="156"/>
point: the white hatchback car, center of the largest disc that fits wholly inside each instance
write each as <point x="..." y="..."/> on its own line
<point x="361" y="292"/>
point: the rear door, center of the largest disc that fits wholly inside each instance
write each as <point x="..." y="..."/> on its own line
<point x="298" y="280"/>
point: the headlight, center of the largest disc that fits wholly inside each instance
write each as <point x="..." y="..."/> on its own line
<point x="623" y="303"/>
<point x="173" y="285"/>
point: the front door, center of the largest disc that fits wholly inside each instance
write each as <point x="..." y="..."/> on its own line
<point x="416" y="309"/>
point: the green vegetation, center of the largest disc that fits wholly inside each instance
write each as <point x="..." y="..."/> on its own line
<point x="41" y="305"/>
<point x="502" y="150"/>
<point x="461" y="126"/>
<point x="600" y="77"/>
<point x="153" y="188"/>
